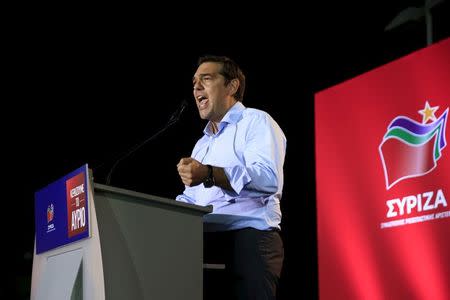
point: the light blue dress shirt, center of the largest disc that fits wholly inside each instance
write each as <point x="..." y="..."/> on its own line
<point x="250" y="147"/>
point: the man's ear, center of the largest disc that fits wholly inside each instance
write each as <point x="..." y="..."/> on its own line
<point x="233" y="86"/>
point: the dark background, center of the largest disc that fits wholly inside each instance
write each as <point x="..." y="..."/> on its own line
<point x="84" y="88"/>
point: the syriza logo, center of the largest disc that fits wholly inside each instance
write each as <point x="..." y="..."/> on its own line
<point x="412" y="149"/>
<point x="50" y="216"/>
<point x="50" y="213"/>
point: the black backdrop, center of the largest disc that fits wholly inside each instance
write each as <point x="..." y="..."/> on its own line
<point x="83" y="88"/>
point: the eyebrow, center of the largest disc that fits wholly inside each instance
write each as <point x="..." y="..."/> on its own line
<point x="203" y="75"/>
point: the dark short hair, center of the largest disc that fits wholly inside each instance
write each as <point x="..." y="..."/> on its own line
<point x="230" y="70"/>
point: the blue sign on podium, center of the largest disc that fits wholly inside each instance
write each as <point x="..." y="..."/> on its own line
<point x="61" y="211"/>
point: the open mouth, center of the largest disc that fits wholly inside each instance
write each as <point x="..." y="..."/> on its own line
<point x="202" y="101"/>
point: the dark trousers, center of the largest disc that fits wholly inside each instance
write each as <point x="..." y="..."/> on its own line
<point x="253" y="260"/>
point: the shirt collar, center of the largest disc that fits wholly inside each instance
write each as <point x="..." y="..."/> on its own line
<point x="232" y="116"/>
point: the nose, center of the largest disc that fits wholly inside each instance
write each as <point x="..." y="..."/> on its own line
<point x="198" y="85"/>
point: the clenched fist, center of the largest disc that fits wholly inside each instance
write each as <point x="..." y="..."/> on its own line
<point x="191" y="171"/>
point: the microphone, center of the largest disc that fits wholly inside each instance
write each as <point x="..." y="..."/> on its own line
<point x="172" y="120"/>
<point x="177" y="114"/>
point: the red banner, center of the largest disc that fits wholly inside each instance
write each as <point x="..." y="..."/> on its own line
<point x="383" y="181"/>
<point x="76" y="205"/>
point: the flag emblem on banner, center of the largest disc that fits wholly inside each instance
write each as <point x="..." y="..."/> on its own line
<point x="412" y="149"/>
<point x="50" y="213"/>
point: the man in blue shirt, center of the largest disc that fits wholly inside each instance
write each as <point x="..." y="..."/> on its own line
<point x="237" y="167"/>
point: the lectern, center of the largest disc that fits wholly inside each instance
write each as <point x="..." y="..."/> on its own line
<point x="139" y="247"/>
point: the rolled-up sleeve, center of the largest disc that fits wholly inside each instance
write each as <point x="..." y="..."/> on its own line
<point x="263" y="153"/>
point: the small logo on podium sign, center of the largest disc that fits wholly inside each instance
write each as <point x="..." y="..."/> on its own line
<point x="50" y="213"/>
<point x="50" y="216"/>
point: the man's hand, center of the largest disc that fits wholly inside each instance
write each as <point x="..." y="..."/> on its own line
<point x="191" y="171"/>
